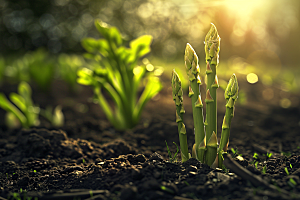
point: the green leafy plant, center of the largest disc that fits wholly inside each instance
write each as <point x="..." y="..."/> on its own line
<point x="206" y="147"/>
<point x="118" y="74"/>
<point x="24" y="111"/>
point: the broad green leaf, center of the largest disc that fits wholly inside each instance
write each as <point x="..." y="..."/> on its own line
<point x="152" y="88"/>
<point x="90" y="44"/>
<point x="85" y="76"/>
<point x="89" y="56"/>
<point x="96" y="46"/>
<point x="9" y="107"/>
<point x="115" y="36"/>
<point x="19" y="101"/>
<point x="100" y="72"/>
<point x="140" y="47"/>
<point x="103" y="28"/>
<point x="139" y="73"/>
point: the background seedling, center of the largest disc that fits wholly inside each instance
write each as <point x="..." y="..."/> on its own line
<point x="24" y="110"/>
<point x="55" y="117"/>
<point x="116" y="71"/>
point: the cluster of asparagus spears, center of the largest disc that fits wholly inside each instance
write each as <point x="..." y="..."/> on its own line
<point x="206" y="147"/>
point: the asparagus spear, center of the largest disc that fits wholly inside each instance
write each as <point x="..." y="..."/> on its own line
<point x="212" y="48"/>
<point x="193" y="72"/>
<point x="231" y="94"/>
<point x="178" y="99"/>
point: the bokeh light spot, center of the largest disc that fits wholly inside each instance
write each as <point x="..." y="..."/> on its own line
<point x="252" y="78"/>
<point x="159" y="71"/>
<point x="285" y="103"/>
<point x="150" y="67"/>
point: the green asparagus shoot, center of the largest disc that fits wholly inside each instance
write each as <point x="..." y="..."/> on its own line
<point x="206" y="148"/>
<point x="193" y="72"/>
<point x="116" y="70"/>
<point x="178" y="99"/>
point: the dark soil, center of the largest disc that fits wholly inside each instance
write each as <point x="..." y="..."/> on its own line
<point x="89" y="159"/>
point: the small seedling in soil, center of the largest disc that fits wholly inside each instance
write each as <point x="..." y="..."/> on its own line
<point x="116" y="70"/>
<point x="286" y="171"/>
<point x="206" y="147"/>
<point x="55" y="117"/>
<point x="172" y="158"/>
<point x="255" y="156"/>
<point x="235" y="152"/>
<point x="24" y="112"/>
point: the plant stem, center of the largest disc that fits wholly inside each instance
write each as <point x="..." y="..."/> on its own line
<point x="193" y="72"/>
<point x="178" y="99"/>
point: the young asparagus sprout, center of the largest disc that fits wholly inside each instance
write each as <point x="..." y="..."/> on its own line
<point x="212" y="48"/>
<point x="178" y="99"/>
<point x="231" y="94"/>
<point x="193" y="72"/>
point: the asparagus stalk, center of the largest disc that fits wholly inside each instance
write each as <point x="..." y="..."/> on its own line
<point x="178" y="99"/>
<point x="193" y="72"/>
<point x="212" y="48"/>
<point x="231" y="94"/>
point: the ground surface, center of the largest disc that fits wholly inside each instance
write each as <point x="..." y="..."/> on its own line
<point x="89" y="159"/>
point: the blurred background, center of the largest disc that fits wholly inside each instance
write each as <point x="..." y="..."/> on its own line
<point x="259" y="39"/>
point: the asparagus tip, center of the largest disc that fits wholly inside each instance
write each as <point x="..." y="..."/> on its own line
<point x="232" y="88"/>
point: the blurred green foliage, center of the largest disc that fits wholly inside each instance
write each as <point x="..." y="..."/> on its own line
<point x="116" y="71"/>
<point x="68" y="65"/>
<point x="41" y="68"/>
<point x="55" y="116"/>
<point x="23" y="112"/>
<point x="59" y="25"/>
<point x="2" y="68"/>
<point x="23" y="108"/>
